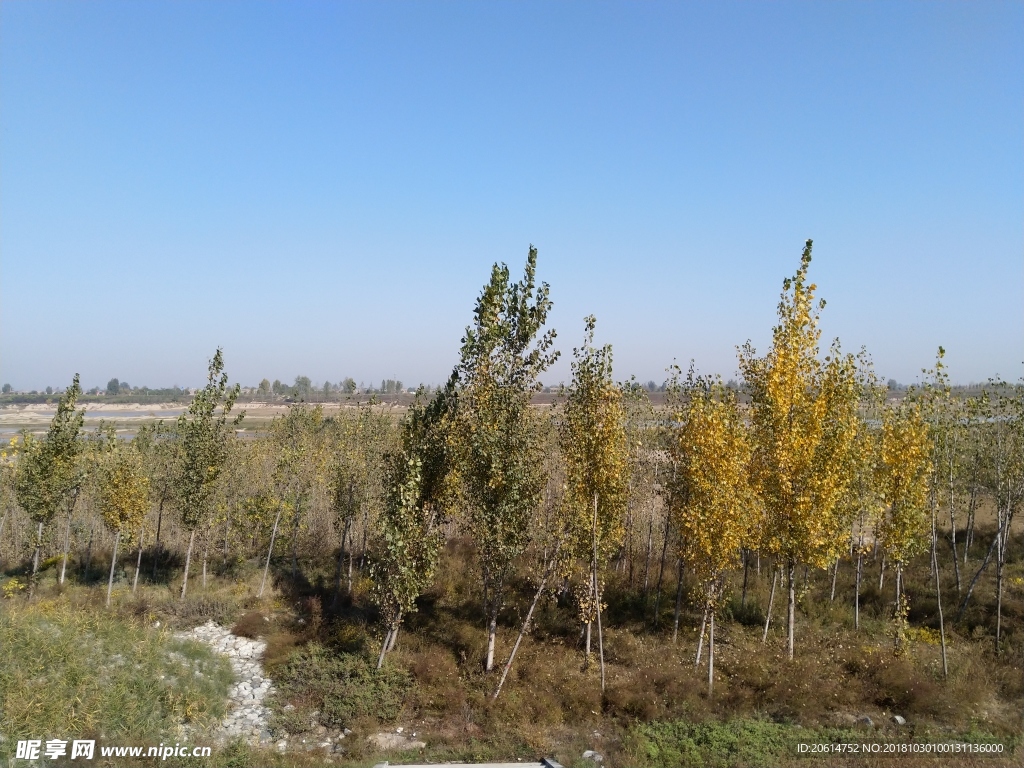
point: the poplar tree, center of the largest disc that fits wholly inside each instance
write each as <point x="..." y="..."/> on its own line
<point x="903" y="473"/>
<point x="203" y="432"/>
<point x="356" y="482"/>
<point x="502" y="472"/>
<point x="864" y="503"/>
<point x="944" y="417"/>
<point x="595" y="445"/>
<point x="50" y="475"/>
<point x="123" y="495"/>
<point x="421" y="484"/>
<point x="999" y="412"/>
<point x="302" y="460"/>
<point x="712" y="501"/>
<point x="804" y="416"/>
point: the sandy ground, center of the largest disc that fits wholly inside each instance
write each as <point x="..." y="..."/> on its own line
<point x="130" y="416"/>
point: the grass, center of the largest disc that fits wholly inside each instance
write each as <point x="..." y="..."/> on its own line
<point x="755" y="742"/>
<point x="71" y="673"/>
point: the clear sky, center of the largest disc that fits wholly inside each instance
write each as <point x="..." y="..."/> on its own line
<point x="321" y="188"/>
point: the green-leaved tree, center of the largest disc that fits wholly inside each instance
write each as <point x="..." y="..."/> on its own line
<point x="203" y="433"/>
<point x="50" y="475"/>
<point x="502" y="358"/>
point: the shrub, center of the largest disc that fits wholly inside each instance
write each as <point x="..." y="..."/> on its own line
<point x="252" y="625"/>
<point x="342" y="688"/>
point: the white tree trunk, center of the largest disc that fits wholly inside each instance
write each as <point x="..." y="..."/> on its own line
<point x="138" y="562"/>
<point x="270" y="551"/>
<point x="771" y="603"/>
<point x="188" y="562"/>
<point x="113" y="563"/>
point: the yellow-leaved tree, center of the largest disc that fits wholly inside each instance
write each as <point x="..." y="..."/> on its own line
<point x="903" y="473"/>
<point x="596" y="449"/>
<point x="123" y="495"/>
<point x="803" y="413"/>
<point x="713" y="505"/>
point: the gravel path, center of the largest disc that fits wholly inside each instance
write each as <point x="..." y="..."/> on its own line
<point x="247" y="717"/>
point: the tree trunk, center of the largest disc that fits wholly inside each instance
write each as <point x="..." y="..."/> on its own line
<point x="366" y="529"/>
<point x="113" y="562"/>
<point x="227" y="533"/>
<point x="661" y="571"/>
<point x="791" y="611"/>
<point x="679" y="601"/>
<point x="529" y="615"/>
<point x="856" y="599"/>
<point x="700" y="637"/>
<point x="295" y="543"/>
<point x="900" y="620"/>
<point x="938" y="598"/>
<point x="138" y="561"/>
<point x="1003" y="536"/>
<point x="600" y="637"/>
<point x="350" y="567"/>
<point x="952" y="534"/>
<point x="341" y="564"/>
<point x="393" y="640"/>
<point x="156" y="542"/>
<point x="492" y="631"/>
<point x="974" y="581"/>
<point x="384" y="648"/>
<point x="597" y="599"/>
<point x="39" y="547"/>
<point x="881" y="573"/>
<point x="746" y="571"/>
<point x="771" y="602"/>
<point x="835" y="573"/>
<point x="188" y="562"/>
<point x="67" y="545"/>
<point x="2" y="521"/>
<point x="629" y="533"/>
<point x="647" y="562"/>
<point x="972" y="507"/>
<point x="88" y="559"/>
<point x="206" y="552"/>
<point x="270" y="551"/>
<point x="711" y="652"/>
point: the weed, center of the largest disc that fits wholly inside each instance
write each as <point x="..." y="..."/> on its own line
<point x="68" y="673"/>
<point x="341" y="688"/>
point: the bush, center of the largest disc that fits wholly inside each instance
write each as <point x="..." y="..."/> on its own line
<point x="251" y="625"/>
<point x="341" y="688"/>
<point x="740" y="742"/>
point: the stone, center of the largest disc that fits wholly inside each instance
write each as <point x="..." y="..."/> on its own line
<point x="394" y="741"/>
<point x="247" y="717"/>
<point x="865" y="720"/>
<point x="593" y="756"/>
<point x="899" y="720"/>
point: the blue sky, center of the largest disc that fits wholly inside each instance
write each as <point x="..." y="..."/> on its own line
<point x="321" y="188"/>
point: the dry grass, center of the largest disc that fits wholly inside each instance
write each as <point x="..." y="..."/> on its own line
<point x="551" y="705"/>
